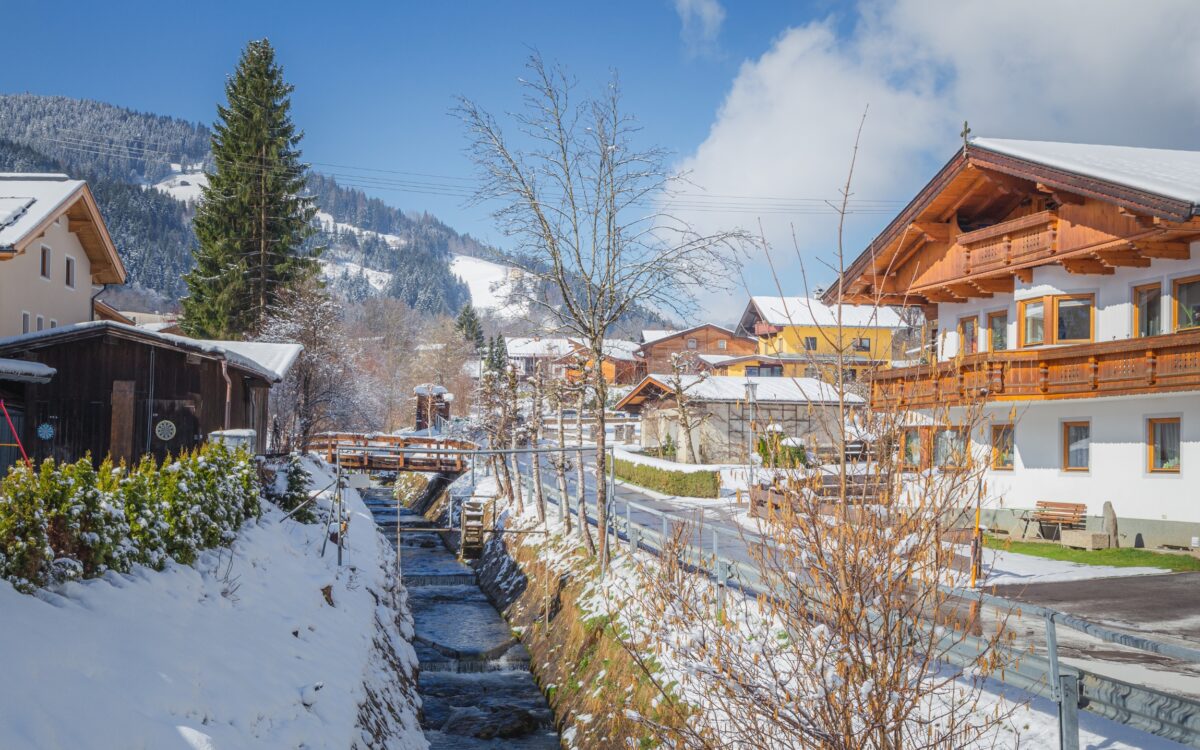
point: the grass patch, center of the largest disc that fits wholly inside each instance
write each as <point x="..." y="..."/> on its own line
<point x="1117" y="558"/>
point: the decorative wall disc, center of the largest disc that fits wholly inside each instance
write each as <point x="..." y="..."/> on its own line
<point x="165" y="430"/>
<point x="45" y="431"/>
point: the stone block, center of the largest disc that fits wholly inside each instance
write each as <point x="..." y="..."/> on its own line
<point x="1081" y="539"/>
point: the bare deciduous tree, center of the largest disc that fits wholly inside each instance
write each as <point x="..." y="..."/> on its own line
<point x="583" y="203"/>
<point x="686" y="374"/>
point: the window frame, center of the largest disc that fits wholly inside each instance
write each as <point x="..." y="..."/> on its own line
<point x="991" y="342"/>
<point x="1012" y="438"/>
<point x="1091" y="298"/>
<point x="53" y="323"/>
<point x="46" y="261"/>
<point x="808" y="348"/>
<point x="1175" y="305"/>
<point x="962" y="339"/>
<point x="722" y="344"/>
<point x="1150" y="423"/>
<point x="920" y="433"/>
<point x="26" y="322"/>
<point x="1067" y="424"/>
<point x="966" y="438"/>
<point x="40" y="323"/>
<point x="693" y="344"/>
<point x="1022" y="307"/>
<point x="69" y="271"/>
<point x="1136" y="290"/>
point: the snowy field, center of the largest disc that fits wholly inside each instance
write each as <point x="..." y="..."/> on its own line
<point x="243" y="650"/>
<point x="491" y="285"/>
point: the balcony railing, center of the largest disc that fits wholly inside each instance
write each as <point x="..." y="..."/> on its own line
<point x="1007" y="245"/>
<point x="1111" y="368"/>
<point x="763" y="328"/>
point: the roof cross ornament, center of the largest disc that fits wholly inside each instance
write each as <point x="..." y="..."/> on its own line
<point x="966" y="132"/>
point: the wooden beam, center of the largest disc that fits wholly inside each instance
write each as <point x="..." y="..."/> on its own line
<point x="934" y="231"/>
<point x="1086" y="265"/>
<point x="995" y="284"/>
<point x="967" y="290"/>
<point x="1171" y="250"/>
<point x="1060" y="196"/>
<point x="1024" y="274"/>
<point x="1142" y="219"/>
<point x="1127" y="258"/>
<point x="942" y="295"/>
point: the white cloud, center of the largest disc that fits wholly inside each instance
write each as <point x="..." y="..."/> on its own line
<point x="701" y="21"/>
<point x="1072" y="70"/>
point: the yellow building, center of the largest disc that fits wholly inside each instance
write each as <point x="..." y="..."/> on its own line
<point x="799" y="337"/>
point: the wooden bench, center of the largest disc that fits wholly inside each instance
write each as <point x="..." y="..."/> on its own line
<point x="1057" y="516"/>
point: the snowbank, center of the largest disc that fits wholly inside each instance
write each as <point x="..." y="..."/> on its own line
<point x="1008" y="568"/>
<point x="243" y="650"/>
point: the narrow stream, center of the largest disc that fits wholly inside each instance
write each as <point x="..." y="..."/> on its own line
<point x="475" y="682"/>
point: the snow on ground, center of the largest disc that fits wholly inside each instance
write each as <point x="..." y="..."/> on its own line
<point x="240" y="651"/>
<point x="491" y="285"/>
<point x="327" y="223"/>
<point x="1033" y="722"/>
<point x="333" y="270"/>
<point x="1008" y="568"/>
<point x="183" y="186"/>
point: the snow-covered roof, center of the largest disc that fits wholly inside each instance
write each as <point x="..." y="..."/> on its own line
<point x="278" y="358"/>
<point x="271" y="361"/>
<point x="30" y="200"/>
<point x="620" y="349"/>
<point x="716" y="359"/>
<point x="768" y="389"/>
<point x="27" y="200"/>
<point x="654" y="334"/>
<point x="1167" y="172"/>
<point x="430" y="389"/>
<point x="25" y="372"/>
<point x="807" y="311"/>
<point x="537" y="346"/>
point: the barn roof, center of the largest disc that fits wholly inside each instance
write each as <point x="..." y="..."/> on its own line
<point x="269" y="361"/>
<point x="25" y="372"/>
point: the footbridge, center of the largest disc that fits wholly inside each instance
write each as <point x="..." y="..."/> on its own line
<point x="358" y="451"/>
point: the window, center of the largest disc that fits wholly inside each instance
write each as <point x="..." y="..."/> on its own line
<point x="70" y="277"/>
<point x="968" y="335"/>
<point x="45" y="262"/>
<point x="950" y="448"/>
<point x="810" y="343"/>
<point x="722" y="344"/>
<point x="1002" y="447"/>
<point x="53" y="323"/>
<point x="40" y="323"/>
<point x="1187" y="303"/>
<point x="910" y="448"/>
<point x="1033" y="322"/>
<point x="862" y="344"/>
<point x="1162" y="443"/>
<point x="997" y="331"/>
<point x="1073" y="318"/>
<point x="692" y="344"/>
<point x="24" y="322"/>
<point x="1077" y="445"/>
<point x="1147" y="310"/>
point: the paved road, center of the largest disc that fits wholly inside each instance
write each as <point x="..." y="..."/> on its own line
<point x="1165" y="606"/>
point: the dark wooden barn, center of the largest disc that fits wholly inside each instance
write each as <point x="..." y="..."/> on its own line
<point x="123" y="391"/>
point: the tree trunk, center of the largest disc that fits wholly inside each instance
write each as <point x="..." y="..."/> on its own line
<point x="539" y="497"/>
<point x="601" y="461"/>
<point x="580" y="484"/>
<point x="560" y="468"/>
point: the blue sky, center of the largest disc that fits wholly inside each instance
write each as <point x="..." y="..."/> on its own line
<point x="764" y="104"/>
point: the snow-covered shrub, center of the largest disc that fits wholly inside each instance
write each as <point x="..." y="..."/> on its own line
<point x="290" y="488"/>
<point x="68" y="521"/>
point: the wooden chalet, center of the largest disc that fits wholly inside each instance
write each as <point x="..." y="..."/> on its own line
<point x="706" y="340"/>
<point x="119" y="390"/>
<point x="1061" y="285"/>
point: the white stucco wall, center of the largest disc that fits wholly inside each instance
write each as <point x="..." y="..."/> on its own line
<point x="23" y="289"/>
<point x="1118" y="472"/>
<point x="1114" y="300"/>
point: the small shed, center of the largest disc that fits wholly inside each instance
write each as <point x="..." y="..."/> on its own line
<point x="124" y="391"/>
<point x="727" y="421"/>
<point x="433" y="402"/>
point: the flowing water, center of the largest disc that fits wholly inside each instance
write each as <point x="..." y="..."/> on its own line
<point x="475" y="682"/>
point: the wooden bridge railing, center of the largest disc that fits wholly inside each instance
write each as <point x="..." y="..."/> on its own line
<point x="370" y="452"/>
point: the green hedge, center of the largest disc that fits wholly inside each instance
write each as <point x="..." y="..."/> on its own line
<point x="669" y="481"/>
<point x="61" y="522"/>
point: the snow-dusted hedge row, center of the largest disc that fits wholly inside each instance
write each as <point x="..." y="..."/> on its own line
<point x="67" y="521"/>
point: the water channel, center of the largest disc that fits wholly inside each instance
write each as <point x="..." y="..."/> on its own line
<point x="475" y="684"/>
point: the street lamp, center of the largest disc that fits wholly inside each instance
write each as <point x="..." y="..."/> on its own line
<point x="751" y="388"/>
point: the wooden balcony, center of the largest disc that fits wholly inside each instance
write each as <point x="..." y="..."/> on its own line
<point x="1129" y="367"/>
<point x="1009" y="243"/>
<point x="763" y="328"/>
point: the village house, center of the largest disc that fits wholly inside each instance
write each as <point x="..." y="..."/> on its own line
<point x="711" y="344"/>
<point x="799" y="337"/>
<point x="119" y="390"/>
<point x="525" y="352"/>
<point x="733" y="413"/>
<point x="55" y="252"/>
<point x="1061" y="283"/>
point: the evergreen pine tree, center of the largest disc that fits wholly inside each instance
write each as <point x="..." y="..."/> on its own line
<point x="469" y="326"/>
<point x="254" y="216"/>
